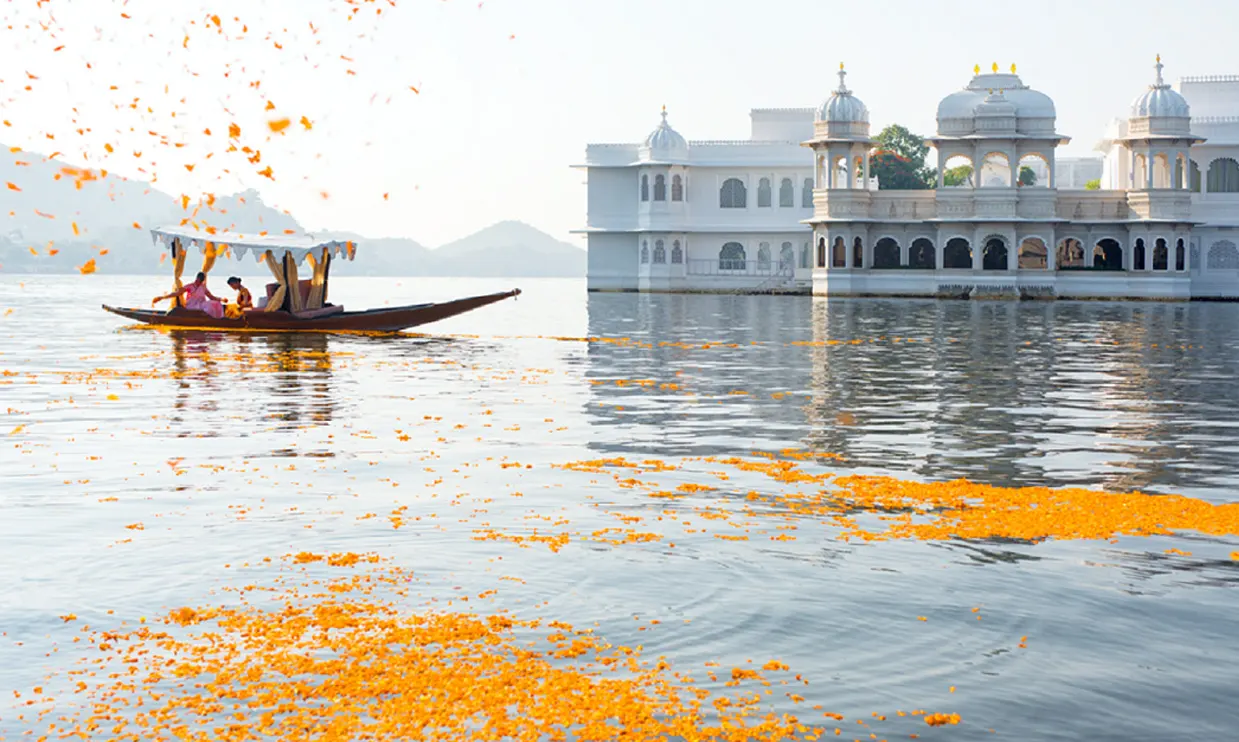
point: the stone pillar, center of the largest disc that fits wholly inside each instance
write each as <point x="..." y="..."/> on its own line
<point x="1051" y="252"/>
<point x="978" y="250"/>
<point x="1148" y="169"/>
<point x="941" y="249"/>
<point x="1013" y="253"/>
<point x="865" y="154"/>
<point x="849" y="174"/>
<point x="1013" y="170"/>
<point x="1051" y="164"/>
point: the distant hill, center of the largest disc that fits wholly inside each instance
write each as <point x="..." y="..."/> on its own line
<point x="509" y="248"/>
<point x="49" y="205"/>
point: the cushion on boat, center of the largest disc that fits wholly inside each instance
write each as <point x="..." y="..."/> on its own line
<point x="316" y="313"/>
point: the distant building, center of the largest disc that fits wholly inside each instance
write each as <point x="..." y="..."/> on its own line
<point x="675" y="215"/>
<point x="1149" y="232"/>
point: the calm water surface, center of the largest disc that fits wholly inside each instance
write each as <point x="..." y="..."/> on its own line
<point x="233" y="448"/>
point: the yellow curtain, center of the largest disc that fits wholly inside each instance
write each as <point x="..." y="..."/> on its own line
<point x="277" y="299"/>
<point x="294" y="285"/>
<point x="318" y="283"/>
<point x="208" y="257"/>
<point x="178" y="270"/>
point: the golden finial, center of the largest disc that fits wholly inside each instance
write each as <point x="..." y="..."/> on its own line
<point x="841" y="65"/>
<point x="1013" y="68"/>
<point x="976" y="69"/>
<point x="1159" y="58"/>
<point x="995" y="67"/>
<point x="664" y="108"/>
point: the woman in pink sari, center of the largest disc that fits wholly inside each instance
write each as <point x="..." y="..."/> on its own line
<point x="199" y="297"/>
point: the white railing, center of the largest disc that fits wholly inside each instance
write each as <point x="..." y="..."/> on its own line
<point x="736" y="267"/>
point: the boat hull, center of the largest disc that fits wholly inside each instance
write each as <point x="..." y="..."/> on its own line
<point x="388" y="319"/>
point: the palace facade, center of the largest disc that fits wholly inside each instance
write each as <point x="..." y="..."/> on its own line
<point x="758" y="215"/>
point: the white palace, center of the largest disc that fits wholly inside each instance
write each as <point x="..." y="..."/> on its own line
<point x="794" y="208"/>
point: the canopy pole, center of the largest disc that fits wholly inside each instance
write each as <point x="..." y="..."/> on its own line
<point x="326" y="273"/>
<point x="178" y="270"/>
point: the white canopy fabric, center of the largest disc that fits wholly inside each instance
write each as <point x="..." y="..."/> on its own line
<point x="237" y="246"/>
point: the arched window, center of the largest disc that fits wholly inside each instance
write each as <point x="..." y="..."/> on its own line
<point x="660" y="251"/>
<point x="732" y="195"/>
<point x="821" y="252"/>
<point x="1137" y="255"/>
<point x="787" y="194"/>
<point x="1032" y="255"/>
<point x="858" y="253"/>
<point x="787" y="257"/>
<point x="645" y="252"/>
<point x="731" y="257"/>
<point x="806" y="194"/>
<point x="1108" y="255"/>
<point x="763" y="256"/>
<point x="677" y="253"/>
<point x="994" y="258"/>
<point x="1223" y="256"/>
<point x="957" y="253"/>
<point x="660" y="188"/>
<point x="1070" y="253"/>
<point x="921" y="254"/>
<point x="645" y="187"/>
<point x="1161" y="256"/>
<point x="886" y="253"/>
<point x="1180" y="255"/>
<point x="1223" y="176"/>
<point x="677" y="188"/>
<point x="839" y="253"/>
<point x="763" y="193"/>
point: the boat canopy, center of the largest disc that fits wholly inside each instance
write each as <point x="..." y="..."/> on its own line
<point x="281" y="255"/>
<point x="238" y="246"/>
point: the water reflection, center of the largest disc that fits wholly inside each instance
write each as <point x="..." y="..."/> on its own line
<point x="280" y="380"/>
<point x="1116" y="395"/>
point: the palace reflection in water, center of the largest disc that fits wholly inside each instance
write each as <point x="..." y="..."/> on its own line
<point x="1116" y="395"/>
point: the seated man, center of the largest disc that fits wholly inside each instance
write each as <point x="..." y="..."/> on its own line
<point x="245" y="302"/>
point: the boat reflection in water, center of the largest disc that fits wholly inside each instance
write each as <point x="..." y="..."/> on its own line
<point x="274" y="382"/>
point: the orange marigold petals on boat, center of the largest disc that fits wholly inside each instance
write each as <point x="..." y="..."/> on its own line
<point x="14" y="187"/>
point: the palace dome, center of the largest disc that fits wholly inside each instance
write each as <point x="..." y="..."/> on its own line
<point x="843" y="107"/>
<point x="666" y="139"/>
<point x="1034" y="109"/>
<point x="1160" y="100"/>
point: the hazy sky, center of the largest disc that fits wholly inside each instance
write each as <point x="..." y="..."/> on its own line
<point x="510" y="91"/>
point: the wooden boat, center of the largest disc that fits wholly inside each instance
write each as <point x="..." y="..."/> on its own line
<point x="304" y="308"/>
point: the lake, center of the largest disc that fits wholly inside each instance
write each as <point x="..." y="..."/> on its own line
<point x="652" y="467"/>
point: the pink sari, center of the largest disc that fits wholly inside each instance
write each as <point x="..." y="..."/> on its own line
<point x="197" y="299"/>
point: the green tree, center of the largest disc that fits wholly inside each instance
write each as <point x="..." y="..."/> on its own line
<point x="957" y="176"/>
<point x="1093" y="185"/>
<point x="898" y="161"/>
<point x="1027" y="176"/>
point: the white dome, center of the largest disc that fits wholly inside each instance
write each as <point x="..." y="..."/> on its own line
<point x="665" y="138"/>
<point x="842" y="107"/>
<point x="1160" y="100"/>
<point x="1027" y="103"/>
